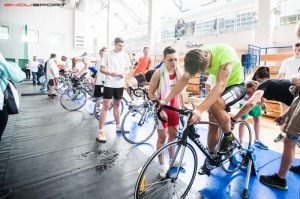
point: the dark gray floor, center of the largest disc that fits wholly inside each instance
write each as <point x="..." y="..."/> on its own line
<point x="48" y="152"/>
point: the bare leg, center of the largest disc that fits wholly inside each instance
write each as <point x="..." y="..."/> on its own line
<point x="116" y="110"/>
<point x="288" y="156"/>
<point x="172" y="131"/>
<point x="213" y="136"/>
<point x="241" y="131"/>
<point x="103" y="113"/>
<point x="256" y="126"/>
<point x="162" y="136"/>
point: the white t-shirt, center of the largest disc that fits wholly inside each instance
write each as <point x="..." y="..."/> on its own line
<point x="34" y="66"/>
<point x="100" y="76"/>
<point x="79" y="66"/>
<point x="67" y="65"/>
<point x="289" y="67"/>
<point x="210" y="81"/>
<point x="51" y="64"/>
<point x="115" y="63"/>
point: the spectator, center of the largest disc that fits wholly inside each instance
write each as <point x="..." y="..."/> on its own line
<point x="144" y="64"/>
<point x="8" y="70"/>
<point x="100" y="77"/>
<point x="289" y="67"/>
<point x="162" y="83"/>
<point x="114" y="64"/>
<point x="52" y="74"/>
<point x="67" y="63"/>
<point x="34" y="69"/>
<point x="40" y="73"/>
<point x="27" y="70"/>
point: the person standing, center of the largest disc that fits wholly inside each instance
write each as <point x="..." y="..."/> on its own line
<point x="162" y="82"/>
<point x="11" y="71"/>
<point x="67" y="63"/>
<point x="144" y="64"/>
<point x="100" y="77"/>
<point x="114" y="65"/>
<point x="52" y="74"/>
<point x="289" y="67"/>
<point x="27" y="70"/>
<point x="34" y="69"/>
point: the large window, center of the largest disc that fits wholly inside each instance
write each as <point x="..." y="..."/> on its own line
<point x="32" y="36"/>
<point x="57" y="39"/>
<point x="4" y="32"/>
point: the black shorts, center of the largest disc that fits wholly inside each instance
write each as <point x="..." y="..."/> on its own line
<point x="109" y="93"/>
<point x="140" y="78"/>
<point x="52" y="82"/>
<point x="98" y="91"/>
<point x="233" y="94"/>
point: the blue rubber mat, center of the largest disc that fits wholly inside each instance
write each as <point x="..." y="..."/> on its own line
<point x="223" y="185"/>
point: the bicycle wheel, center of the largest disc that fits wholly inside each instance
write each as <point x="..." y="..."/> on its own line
<point x="110" y="116"/>
<point x="178" y="180"/>
<point x="73" y="99"/>
<point x="61" y="86"/>
<point x="235" y="158"/>
<point x="140" y="124"/>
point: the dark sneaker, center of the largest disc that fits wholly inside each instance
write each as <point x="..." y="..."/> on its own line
<point x="274" y="181"/>
<point x="261" y="145"/>
<point x="226" y="144"/>
<point x="295" y="169"/>
<point x="206" y="168"/>
<point x="280" y="137"/>
<point x="4" y="193"/>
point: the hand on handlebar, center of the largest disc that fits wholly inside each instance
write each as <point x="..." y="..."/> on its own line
<point x="196" y="117"/>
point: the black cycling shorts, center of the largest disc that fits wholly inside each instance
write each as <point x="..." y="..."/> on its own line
<point x="233" y="94"/>
<point x="109" y="93"/>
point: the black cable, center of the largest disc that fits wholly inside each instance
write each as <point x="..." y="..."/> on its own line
<point x="268" y="163"/>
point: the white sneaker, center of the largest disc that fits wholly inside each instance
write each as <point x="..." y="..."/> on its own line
<point x="119" y="129"/>
<point x="176" y="163"/>
<point x="101" y="136"/>
<point x="162" y="171"/>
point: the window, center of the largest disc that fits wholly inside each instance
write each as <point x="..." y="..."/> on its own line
<point x="32" y="36"/>
<point x="4" y="32"/>
<point x="57" y="39"/>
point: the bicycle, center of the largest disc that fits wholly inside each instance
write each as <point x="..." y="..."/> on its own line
<point x="177" y="184"/>
<point x="75" y="97"/>
<point x="141" y="121"/>
<point x="110" y="118"/>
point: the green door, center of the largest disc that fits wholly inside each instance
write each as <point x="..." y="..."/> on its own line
<point x="11" y="59"/>
<point x="22" y="63"/>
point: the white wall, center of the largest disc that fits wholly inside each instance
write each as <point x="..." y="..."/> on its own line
<point x="42" y="19"/>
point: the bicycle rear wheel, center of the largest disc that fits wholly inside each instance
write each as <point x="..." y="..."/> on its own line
<point x="73" y="99"/>
<point x="178" y="180"/>
<point x="236" y="157"/>
<point x="140" y="124"/>
<point x="110" y="116"/>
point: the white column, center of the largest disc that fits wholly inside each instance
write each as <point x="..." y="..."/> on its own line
<point x="266" y="23"/>
<point x="111" y="23"/>
<point x="154" y="24"/>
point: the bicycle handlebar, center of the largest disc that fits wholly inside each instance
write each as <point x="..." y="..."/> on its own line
<point x="186" y="112"/>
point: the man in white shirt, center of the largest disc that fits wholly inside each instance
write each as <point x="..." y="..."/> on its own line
<point x="52" y="74"/>
<point x="289" y="67"/>
<point x="34" y="69"/>
<point x="100" y="77"/>
<point x="114" y="63"/>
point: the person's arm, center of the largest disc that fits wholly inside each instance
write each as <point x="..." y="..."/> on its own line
<point x="85" y="68"/>
<point x="179" y="86"/>
<point x="258" y="94"/>
<point x="106" y="72"/>
<point x="280" y="75"/>
<point x="153" y="85"/>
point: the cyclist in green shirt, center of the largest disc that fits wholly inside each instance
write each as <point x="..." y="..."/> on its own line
<point x="222" y="62"/>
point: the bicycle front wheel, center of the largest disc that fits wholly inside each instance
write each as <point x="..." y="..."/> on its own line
<point x="73" y="99"/>
<point x="138" y="124"/>
<point x="178" y="180"/>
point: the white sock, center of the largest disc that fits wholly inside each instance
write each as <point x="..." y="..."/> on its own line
<point x="100" y="130"/>
<point x="118" y="125"/>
